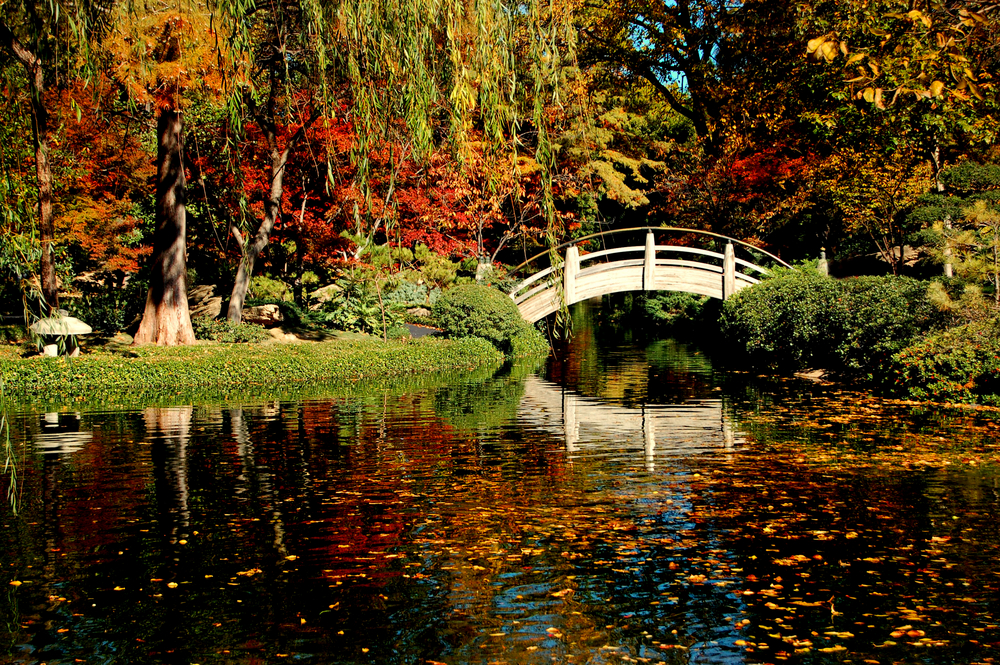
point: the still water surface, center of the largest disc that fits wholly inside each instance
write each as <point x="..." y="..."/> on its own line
<point x="624" y="504"/>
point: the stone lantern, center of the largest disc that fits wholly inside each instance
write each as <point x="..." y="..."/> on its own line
<point x="56" y="329"/>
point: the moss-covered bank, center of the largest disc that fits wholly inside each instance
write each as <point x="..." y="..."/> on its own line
<point x="223" y="367"/>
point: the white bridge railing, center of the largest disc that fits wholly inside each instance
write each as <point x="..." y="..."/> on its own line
<point x="650" y="267"/>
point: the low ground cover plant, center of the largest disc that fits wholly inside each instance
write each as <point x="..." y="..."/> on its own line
<point x="176" y="368"/>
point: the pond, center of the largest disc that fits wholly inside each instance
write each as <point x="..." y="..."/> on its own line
<point x="625" y="503"/>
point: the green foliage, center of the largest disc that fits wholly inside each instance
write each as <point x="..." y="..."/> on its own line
<point x="412" y="295"/>
<point x="13" y="334"/>
<point x="398" y="332"/>
<point x="802" y="319"/>
<point x="961" y="364"/>
<point x="172" y="369"/>
<point x="266" y="288"/>
<point x="969" y="177"/>
<point x="356" y="307"/>
<point x="110" y="310"/>
<point x="434" y="268"/>
<point x="785" y="321"/>
<point x="959" y="303"/>
<point x="669" y="308"/>
<point x="227" y="332"/>
<point x="473" y="310"/>
<point x="881" y="315"/>
<point x="529" y="342"/>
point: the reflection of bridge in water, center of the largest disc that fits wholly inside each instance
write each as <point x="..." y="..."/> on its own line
<point x="694" y="427"/>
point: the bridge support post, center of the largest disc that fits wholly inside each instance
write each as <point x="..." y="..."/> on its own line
<point x="649" y="263"/>
<point x="728" y="272"/>
<point x="571" y="427"/>
<point x="571" y="266"/>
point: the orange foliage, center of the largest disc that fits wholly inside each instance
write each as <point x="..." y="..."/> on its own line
<point x="100" y="165"/>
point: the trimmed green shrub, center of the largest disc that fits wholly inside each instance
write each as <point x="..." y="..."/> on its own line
<point x="528" y="342"/>
<point x="226" y="332"/>
<point x="789" y="321"/>
<point x="958" y="365"/>
<point x="473" y="310"/>
<point x="806" y="319"/>
<point x="881" y="316"/>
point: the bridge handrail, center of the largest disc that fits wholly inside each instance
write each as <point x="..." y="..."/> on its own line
<point x="653" y="229"/>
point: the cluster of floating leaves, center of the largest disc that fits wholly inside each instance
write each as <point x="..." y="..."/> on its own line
<point x="816" y="541"/>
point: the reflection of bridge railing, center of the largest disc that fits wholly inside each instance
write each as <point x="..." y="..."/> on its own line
<point x="687" y="429"/>
<point x="651" y="267"/>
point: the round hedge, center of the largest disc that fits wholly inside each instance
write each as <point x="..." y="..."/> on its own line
<point x="473" y="310"/>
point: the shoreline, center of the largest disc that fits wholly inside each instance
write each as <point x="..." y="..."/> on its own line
<point x="134" y="374"/>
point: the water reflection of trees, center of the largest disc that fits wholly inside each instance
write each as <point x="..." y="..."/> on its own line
<point x="422" y="536"/>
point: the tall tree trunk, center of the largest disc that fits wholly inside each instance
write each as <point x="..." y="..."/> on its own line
<point x="272" y="211"/>
<point x="166" y="320"/>
<point x="40" y="129"/>
<point x="949" y="271"/>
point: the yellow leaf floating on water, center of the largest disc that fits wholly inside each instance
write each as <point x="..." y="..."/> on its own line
<point x="15" y="583"/>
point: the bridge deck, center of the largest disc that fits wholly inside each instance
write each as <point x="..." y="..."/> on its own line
<point x="649" y="268"/>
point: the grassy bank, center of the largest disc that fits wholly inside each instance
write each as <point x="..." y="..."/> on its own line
<point x="223" y="368"/>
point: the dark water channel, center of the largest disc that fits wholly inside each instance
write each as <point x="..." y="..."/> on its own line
<point x="624" y="504"/>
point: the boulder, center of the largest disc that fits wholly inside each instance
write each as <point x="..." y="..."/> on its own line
<point x="268" y="316"/>
<point x="200" y="293"/>
<point x="419" y="311"/>
<point x="325" y="293"/>
<point x="210" y="307"/>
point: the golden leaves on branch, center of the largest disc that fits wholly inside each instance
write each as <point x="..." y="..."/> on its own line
<point x="826" y="47"/>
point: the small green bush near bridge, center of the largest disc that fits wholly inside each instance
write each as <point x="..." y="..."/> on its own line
<point x="473" y="310"/>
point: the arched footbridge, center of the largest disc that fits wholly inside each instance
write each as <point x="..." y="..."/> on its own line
<point x="695" y="266"/>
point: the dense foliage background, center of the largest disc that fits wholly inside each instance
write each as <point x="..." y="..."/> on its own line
<point x="352" y="162"/>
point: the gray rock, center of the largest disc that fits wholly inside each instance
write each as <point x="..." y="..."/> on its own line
<point x="325" y="293"/>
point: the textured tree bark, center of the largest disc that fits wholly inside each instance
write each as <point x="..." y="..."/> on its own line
<point x="166" y="320"/>
<point x="272" y="211"/>
<point x="40" y="129"/>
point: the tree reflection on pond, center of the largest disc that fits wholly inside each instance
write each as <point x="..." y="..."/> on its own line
<point x="631" y="505"/>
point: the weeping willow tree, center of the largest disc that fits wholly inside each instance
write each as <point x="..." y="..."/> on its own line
<point x="46" y="40"/>
<point x="434" y="71"/>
